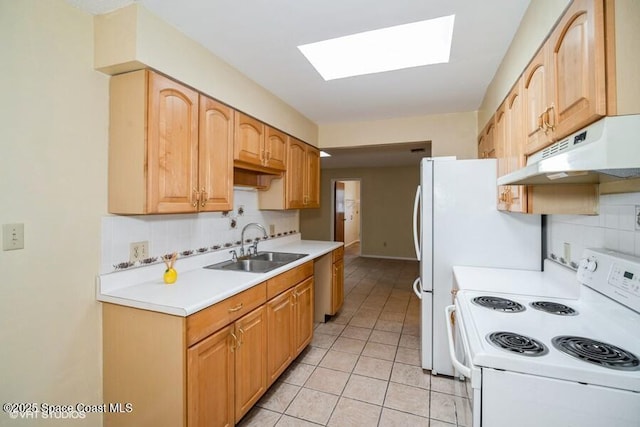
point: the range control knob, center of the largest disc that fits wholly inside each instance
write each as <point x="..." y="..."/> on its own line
<point x="588" y="264"/>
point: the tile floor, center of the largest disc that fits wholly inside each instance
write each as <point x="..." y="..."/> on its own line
<point x="362" y="367"/>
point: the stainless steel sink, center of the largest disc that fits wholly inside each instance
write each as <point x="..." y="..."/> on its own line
<point x="262" y="262"/>
<point x="278" y="256"/>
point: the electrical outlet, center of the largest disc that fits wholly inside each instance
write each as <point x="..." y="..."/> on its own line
<point x="138" y="251"/>
<point x="637" y="217"/>
<point x="12" y="237"/>
<point x="272" y="229"/>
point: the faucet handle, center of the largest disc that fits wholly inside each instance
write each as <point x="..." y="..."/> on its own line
<point x="234" y="255"/>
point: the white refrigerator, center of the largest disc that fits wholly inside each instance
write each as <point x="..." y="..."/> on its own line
<point x="456" y="222"/>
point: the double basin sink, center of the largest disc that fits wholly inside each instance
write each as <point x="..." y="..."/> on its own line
<point x="261" y="262"/>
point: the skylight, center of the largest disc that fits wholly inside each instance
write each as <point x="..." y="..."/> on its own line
<point x="393" y="48"/>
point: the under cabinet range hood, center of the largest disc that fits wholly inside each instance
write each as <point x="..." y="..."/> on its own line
<point x="606" y="150"/>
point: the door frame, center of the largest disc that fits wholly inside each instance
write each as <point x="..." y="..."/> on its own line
<point x="333" y="208"/>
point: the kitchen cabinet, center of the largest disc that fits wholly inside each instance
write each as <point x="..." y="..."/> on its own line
<point x="258" y="146"/>
<point x="337" y="282"/>
<point x="289" y="318"/>
<point x="329" y="288"/>
<point x="486" y="145"/>
<point x="165" y="154"/>
<point x="537" y="91"/>
<point x="565" y="85"/>
<point x="509" y="141"/>
<point x="215" y="156"/>
<point x="300" y="186"/>
<point x="209" y="368"/>
<point x="232" y="363"/>
<point x="577" y="58"/>
<point x="251" y="362"/>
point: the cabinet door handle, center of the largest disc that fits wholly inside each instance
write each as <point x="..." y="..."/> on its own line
<point x="548" y="126"/>
<point x="203" y="200"/>
<point x="541" y="121"/>
<point x="241" y="337"/>
<point x="236" y="308"/>
<point x="196" y="197"/>
<point x="235" y="342"/>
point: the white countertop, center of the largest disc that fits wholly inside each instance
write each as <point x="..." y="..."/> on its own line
<point x="555" y="281"/>
<point x="196" y="287"/>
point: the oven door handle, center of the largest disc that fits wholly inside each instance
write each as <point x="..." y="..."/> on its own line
<point x="417" y="288"/>
<point x="464" y="370"/>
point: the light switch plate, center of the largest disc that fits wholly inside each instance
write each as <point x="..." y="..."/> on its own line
<point x="12" y="237"/>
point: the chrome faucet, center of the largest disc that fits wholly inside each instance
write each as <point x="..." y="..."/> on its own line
<point x="255" y="245"/>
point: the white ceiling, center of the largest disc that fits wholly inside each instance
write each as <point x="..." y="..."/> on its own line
<point x="260" y="39"/>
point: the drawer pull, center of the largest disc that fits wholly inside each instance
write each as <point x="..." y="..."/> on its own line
<point x="236" y="308"/>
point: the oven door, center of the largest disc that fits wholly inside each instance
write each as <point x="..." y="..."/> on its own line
<point x="461" y="360"/>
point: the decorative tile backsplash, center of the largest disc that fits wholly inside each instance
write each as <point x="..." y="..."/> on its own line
<point x="616" y="228"/>
<point x="189" y="232"/>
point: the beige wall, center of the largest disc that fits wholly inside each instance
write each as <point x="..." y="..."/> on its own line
<point x="450" y="134"/>
<point x="536" y="24"/>
<point x="386" y="202"/>
<point x="133" y="37"/>
<point x="54" y="180"/>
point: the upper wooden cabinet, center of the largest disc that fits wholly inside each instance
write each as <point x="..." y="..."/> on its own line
<point x="577" y="48"/>
<point x="165" y="155"/>
<point x="303" y="176"/>
<point x="258" y="146"/>
<point x="565" y="85"/>
<point x="300" y="186"/>
<point x="486" y="143"/>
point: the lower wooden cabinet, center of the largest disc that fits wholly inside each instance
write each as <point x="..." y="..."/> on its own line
<point x="337" y="280"/>
<point x="251" y="364"/>
<point x="290" y="327"/>
<point x="211" y="380"/>
<point x="210" y="368"/>
<point x="337" y="286"/>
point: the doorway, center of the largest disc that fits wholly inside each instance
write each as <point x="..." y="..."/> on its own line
<point x="346" y="211"/>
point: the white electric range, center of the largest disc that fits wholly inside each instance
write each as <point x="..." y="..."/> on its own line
<point x="553" y="351"/>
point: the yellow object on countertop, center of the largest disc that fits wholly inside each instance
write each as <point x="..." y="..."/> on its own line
<point x="170" y="274"/>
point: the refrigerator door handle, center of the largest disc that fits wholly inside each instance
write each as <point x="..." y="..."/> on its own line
<point x="417" y="289"/>
<point x="416" y="239"/>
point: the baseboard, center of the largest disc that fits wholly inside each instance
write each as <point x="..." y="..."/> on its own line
<point x="388" y="257"/>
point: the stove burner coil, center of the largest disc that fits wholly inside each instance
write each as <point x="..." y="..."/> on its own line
<point x="597" y="352"/>
<point x="554" y="308"/>
<point x="516" y="343"/>
<point x="498" y="304"/>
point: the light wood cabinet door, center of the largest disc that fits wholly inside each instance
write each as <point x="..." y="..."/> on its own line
<point x="215" y="156"/>
<point x="303" y="315"/>
<point x="312" y="178"/>
<point x="486" y="148"/>
<point x="280" y="329"/>
<point x="249" y="140"/>
<point x="210" y="381"/>
<point x="275" y="149"/>
<point x="337" y="285"/>
<point x="295" y="176"/>
<point x="578" y="60"/>
<point x="516" y="195"/>
<point x="251" y="360"/>
<point x="538" y="89"/>
<point x="172" y="157"/>
<point x="500" y="141"/>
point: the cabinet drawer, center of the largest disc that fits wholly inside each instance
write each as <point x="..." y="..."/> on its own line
<point x="338" y="254"/>
<point x="284" y="281"/>
<point x="207" y="321"/>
